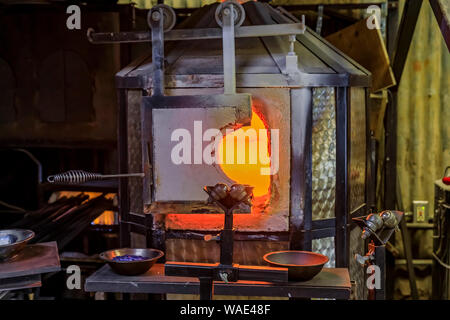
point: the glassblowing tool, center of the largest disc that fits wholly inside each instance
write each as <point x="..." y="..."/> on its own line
<point x="80" y="176"/>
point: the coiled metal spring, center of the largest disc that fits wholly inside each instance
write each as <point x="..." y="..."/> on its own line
<point x="80" y="176"/>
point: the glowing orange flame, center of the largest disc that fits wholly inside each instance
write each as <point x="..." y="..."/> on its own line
<point x="106" y="218"/>
<point x="246" y="144"/>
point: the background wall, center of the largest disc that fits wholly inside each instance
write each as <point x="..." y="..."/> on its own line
<point x="424" y="112"/>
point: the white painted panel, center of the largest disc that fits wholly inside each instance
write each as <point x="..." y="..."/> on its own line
<point x="185" y="182"/>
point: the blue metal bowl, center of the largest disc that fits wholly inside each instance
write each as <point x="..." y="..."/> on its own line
<point x="12" y="241"/>
<point x="131" y="268"/>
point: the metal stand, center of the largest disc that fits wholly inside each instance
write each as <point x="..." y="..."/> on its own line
<point x="376" y="254"/>
<point x="409" y="260"/>
<point x="226" y="270"/>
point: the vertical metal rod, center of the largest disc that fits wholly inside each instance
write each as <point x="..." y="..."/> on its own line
<point x="442" y="19"/>
<point x="226" y="239"/>
<point x="206" y="288"/>
<point x="122" y="148"/>
<point x="228" y="219"/>
<point x="319" y="19"/>
<point x="405" y="33"/>
<point x="371" y="159"/>
<point x="436" y="273"/>
<point x="342" y="207"/>
<point x="300" y="221"/>
<point x="157" y="23"/>
<point x="390" y="174"/>
<point x="372" y="181"/>
<point x="380" y="261"/>
<point x="229" y="64"/>
<point x="409" y="259"/>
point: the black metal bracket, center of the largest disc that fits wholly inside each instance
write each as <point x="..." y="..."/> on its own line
<point x="382" y="236"/>
<point x="207" y="273"/>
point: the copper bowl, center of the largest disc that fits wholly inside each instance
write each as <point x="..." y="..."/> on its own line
<point x="301" y="265"/>
<point x="131" y="268"/>
<point x="12" y="241"/>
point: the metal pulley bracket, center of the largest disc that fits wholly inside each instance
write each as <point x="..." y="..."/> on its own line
<point x="230" y="15"/>
<point x="241" y="102"/>
<point x="169" y="16"/>
<point x="160" y="18"/>
<point x="238" y="13"/>
<point x="238" y="17"/>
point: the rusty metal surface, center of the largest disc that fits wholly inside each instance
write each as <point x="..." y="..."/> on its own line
<point x="357" y="272"/>
<point x="323" y="153"/>
<point x="135" y="187"/>
<point x="245" y="252"/>
<point x="441" y="10"/>
<point x="33" y="259"/>
<point x="358" y="140"/>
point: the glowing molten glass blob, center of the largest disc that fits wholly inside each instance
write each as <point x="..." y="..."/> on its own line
<point x="245" y="142"/>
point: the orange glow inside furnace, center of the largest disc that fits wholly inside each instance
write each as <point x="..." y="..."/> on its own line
<point x="242" y="153"/>
<point x="106" y="218"/>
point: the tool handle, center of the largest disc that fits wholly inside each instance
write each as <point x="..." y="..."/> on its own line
<point x="80" y="176"/>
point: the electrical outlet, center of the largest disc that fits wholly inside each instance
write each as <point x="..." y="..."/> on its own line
<point x="420" y="211"/>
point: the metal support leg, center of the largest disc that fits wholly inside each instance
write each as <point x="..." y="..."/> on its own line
<point x="226" y="240"/>
<point x="409" y="259"/>
<point x="380" y="261"/>
<point x="206" y="288"/>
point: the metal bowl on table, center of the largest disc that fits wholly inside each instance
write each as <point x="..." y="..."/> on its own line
<point x="301" y="265"/>
<point x="131" y="262"/>
<point x="12" y="241"/>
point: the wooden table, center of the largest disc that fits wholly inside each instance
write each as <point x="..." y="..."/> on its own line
<point x="329" y="283"/>
<point x="24" y="271"/>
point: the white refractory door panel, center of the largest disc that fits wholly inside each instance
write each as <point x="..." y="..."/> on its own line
<point x="181" y="167"/>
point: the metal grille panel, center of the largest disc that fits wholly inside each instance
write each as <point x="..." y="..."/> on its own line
<point x="325" y="246"/>
<point x="323" y="153"/>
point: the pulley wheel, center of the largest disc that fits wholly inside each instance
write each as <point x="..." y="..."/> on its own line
<point x="238" y="9"/>
<point x="170" y="18"/>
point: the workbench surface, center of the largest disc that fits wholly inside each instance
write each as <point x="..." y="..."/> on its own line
<point x="33" y="259"/>
<point x="329" y="283"/>
<point x="24" y="271"/>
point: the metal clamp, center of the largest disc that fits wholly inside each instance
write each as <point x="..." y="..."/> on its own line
<point x="291" y="58"/>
